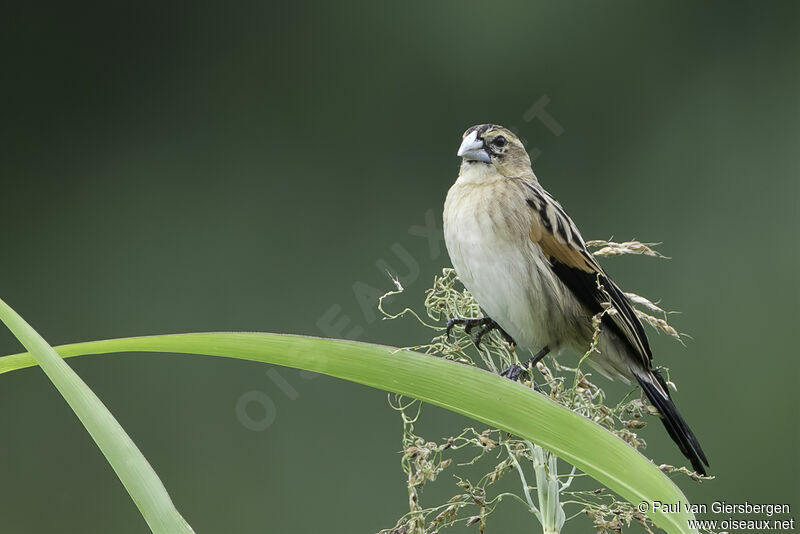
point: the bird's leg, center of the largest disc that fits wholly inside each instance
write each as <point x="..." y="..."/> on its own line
<point x="485" y="329"/>
<point x="513" y="372"/>
<point x="487" y="324"/>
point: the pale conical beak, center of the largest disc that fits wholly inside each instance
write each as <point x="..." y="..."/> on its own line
<point x="472" y="149"/>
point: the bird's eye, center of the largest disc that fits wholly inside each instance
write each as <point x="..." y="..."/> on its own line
<point x="499" y="141"/>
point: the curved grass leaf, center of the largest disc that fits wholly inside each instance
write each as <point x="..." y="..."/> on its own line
<point x="136" y="474"/>
<point x="478" y="394"/>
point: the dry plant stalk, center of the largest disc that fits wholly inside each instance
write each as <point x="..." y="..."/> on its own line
<point x="500" y="453"/>
<point x="611" y="248"/>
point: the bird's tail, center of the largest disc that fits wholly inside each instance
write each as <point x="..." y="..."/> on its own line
<point x="657" y="392"/>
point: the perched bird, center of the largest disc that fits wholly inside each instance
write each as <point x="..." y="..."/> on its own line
<point x="525" y="262"/>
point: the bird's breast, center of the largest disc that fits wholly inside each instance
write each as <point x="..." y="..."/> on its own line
<point x="487" y="234"/>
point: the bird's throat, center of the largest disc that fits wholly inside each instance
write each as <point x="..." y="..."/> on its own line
<point x="477" y="172"/>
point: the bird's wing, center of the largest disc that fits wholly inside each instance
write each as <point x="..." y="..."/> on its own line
<point x="575" y="266"/>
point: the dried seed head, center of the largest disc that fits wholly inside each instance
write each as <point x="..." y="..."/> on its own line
<point x="423" y="460"/>
<point x="611" y="248"/>
<point x="652" y="410"/>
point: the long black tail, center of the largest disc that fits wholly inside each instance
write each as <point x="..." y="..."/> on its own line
<point x="656" y="390"/>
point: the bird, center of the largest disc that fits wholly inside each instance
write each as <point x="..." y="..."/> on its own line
<point x="524" y="261"/>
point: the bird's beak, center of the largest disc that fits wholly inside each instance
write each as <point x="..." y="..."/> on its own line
<point x="472" y="149"/>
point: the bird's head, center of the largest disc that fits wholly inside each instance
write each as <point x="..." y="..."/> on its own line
<point x="490" y="144"/>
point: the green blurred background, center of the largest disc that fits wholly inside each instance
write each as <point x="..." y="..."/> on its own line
<point x="171" y="167"/>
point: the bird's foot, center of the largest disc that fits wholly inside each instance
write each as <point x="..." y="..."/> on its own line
<point x="515" y="372"/>
<point x="468" y="324"/>
<point x="487" y="324"/>
<point x="520" y="373"/>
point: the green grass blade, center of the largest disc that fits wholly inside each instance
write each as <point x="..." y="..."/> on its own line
<point x="467" y="390"/>
<point x="131" y="467"/>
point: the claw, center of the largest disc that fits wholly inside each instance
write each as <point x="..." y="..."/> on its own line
<point x="450" y="324"/>
<point x="469" y="324"/>
<point x="486" y="324"/>
<point x="479" y="335"/>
